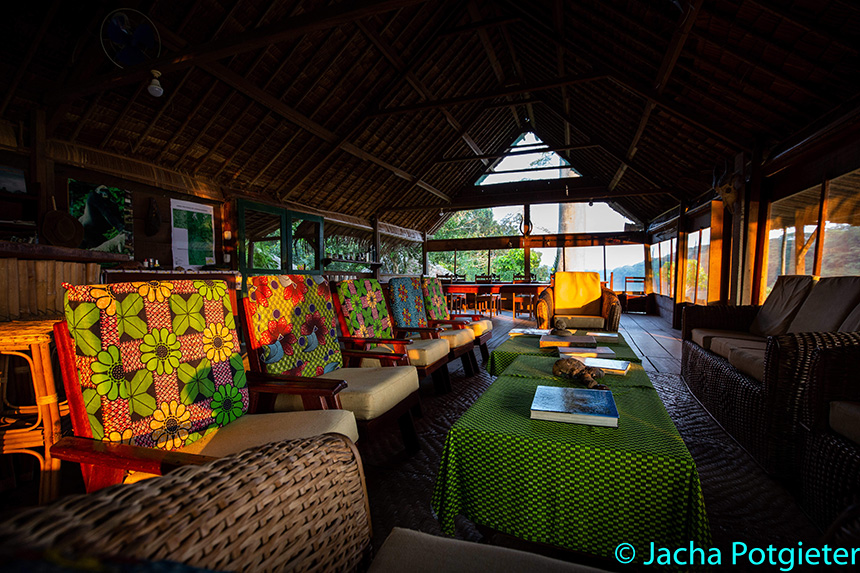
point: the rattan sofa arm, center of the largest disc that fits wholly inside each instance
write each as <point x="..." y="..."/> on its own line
<point x="123" y="456"/>
<point x="610" y="309"/>
<point x="833" y="376"/>
<point x="721" y="317"/>
<point x="545" y="308"/>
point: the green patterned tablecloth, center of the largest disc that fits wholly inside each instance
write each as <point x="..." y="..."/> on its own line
<point x="584" y="488"/>
<point x="507" y="352"/>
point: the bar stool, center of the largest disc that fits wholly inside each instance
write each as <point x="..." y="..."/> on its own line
<point x="525" y="301"/>
<point x="33" y="429"/>
<point x="491" y="302"/>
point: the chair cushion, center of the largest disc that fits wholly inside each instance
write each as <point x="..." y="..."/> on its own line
<point x="479" y="327"/>
<point x="581" y="320"/>
<point x="829" y="302"/>
<point x="577" y="293"/>
<point x="845" y="419"/>
<point x="297" y="312"/>
<point x="158" y="362"/>
<point x="434" y="298"/>
<point x="458" y="337"/>
<point x="724" y="346"/>
<point x="259" y="429"/>
<point x="422" y="352"/>
<point x="369" y="392"/>
<point x="407" y="302"/>
<point x="781" y="305"/>
<point x="416" y="552"/>
<point x="363" y="312"/>
<point x="852" y="321"/>
<point x="704" y="336"/>
<point x="750" y="361"/>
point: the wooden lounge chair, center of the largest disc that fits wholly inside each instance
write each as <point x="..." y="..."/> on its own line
<point x="151" y="369"/>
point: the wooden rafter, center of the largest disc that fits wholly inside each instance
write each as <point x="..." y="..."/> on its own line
<point x="164" y="107"/>
<point x="463" y="158"/>
<point x="122" y="116"/>
<point x="847" y="42"/>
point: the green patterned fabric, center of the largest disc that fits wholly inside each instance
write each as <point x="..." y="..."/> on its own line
<point x="434" y="299"/>
<point x="363" y="311"/>
<point x="507" y="352"/>
<point x="583" y="488"/>
<point x="158" y="361"/>
<point x="294" y="316"/>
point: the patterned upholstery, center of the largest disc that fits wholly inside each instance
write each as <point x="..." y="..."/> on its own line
<point x="158" y="362"/>
<point x="294" y="316"/>
<point x="365" y="314"/>
<point x="407" y="302"/>
<point x="434" y="298"/>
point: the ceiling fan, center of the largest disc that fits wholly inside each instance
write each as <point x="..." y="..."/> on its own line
<point x="128" y="38"/>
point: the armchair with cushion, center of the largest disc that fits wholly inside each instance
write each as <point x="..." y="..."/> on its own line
<point x="155" y="367"/>
<point x="579" y="299"/>
<point x="298" y="505"/>
<point x="751" y="366"/>
<point x="462" y="328"/>
<point x="366" y="323"/>
<point x="291" y="326"/>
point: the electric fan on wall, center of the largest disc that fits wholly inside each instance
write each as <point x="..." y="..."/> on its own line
<point x="129" y="38"/>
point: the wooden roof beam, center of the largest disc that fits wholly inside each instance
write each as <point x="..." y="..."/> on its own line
<point x="288" y="28"/>
<point x="480" y="25"/>
<point x="847" y="42"/>
<point x="537" y="241"/>
<point x="489" y="95"/>
<point x="31" y="51"/>
<point x="462" y="158"/>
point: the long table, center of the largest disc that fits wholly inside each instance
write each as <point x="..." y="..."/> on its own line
<point x="582" y="488"/>
<point x="494" y="288"/>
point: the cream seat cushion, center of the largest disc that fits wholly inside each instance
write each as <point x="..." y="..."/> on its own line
<point x="845" y="419"/>
<point x="577" y="293"/>
<point x="750" y="361"/>
<point x="724" y="346"/>
<point x="417" y="552"/>
<point x="479" y="327"/>
<point x="422" y="352"/>
<point x="458" y="337"/>
<point x="704" y="336"/>
<point x="369" y="392"/>
<point x="252" y="430"/>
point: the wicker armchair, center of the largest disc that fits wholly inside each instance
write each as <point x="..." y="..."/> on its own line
<point x="298" y="505"/>
<point x="596" y="307"/>
<point x="762" y="415"/>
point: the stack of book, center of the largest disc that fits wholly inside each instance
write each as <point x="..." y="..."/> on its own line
<point x="604" y="337"/>
<point x="529" y="331"/>
<point x="609" y="366"/>
<point x="582" y="341"/>
<point x="586" y="352"/>
<point x="575" y="406"/>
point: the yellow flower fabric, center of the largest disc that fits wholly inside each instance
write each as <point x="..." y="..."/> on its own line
<point x="217" y="343"/>
<point x="154" y="291"/>
<point x="170" y="424"/>
<point x="105" y="299"/>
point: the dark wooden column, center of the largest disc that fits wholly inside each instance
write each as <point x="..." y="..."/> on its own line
<point x="527" y="250"/>
<point x="819" y="233"/>
<point x="424" y="262"/>
<point x="377" y="253"/>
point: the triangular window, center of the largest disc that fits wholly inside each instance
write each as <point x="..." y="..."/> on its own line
<point x="527" y="159"/>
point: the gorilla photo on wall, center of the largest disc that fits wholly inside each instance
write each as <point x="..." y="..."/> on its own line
<point x="105" y="213"/>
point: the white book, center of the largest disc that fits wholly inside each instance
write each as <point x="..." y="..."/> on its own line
<point x="604" y="337"/>
<point x="617" y="367"/>
<point x="580" y="352"/>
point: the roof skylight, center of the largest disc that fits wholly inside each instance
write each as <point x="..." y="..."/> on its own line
<point x="527" y="159"/>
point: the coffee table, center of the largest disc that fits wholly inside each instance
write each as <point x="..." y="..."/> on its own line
<point x="504" y="355"/>
<point x="582" y="488"/>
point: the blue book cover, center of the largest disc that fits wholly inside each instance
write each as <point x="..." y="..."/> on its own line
<point x="575" y="406"/>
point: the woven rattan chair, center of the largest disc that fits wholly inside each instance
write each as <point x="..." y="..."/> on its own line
<point x="297" y="505"/>
<point x="580" y="300"/>
<point x="164" y="375"/>
<point x="291" y="326"/>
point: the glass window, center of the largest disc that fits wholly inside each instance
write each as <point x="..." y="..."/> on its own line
<point x="274" y="239"/>
<point x="655" y="269"/>
<point x="262" y="240"/>
<point x="696" y="279"/>
<point x="664" y="261"/>
<point x="305" y="248"/>
<point x="791" y="246"/>
<point x="624" y="261"/>
<point x="842" y="230"/>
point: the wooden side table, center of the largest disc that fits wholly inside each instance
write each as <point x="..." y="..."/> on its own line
<point x="33" y="429"/>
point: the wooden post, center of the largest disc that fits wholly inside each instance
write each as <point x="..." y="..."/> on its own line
<point x="377" y="269"/>
<point x="759" y="231"/>
<point x="424" y="255"/>
<point x="527" y="250"/>
<point x="649" y="272"/>
<point x="681" y="255"/>
<point x="822" y="219"/>
<point x="715" y="254"/>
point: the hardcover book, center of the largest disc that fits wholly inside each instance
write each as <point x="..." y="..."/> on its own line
<point x="617" y="367"/>
<point x="575" y="406"/>
<point x="585" y="352"/>
<point x="604" y="337"/>
<point x="583" y="341"/>
<point x="529" y="331"/>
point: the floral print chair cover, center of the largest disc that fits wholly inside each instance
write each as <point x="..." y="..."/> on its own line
<point x="434" y="298"/>
<point x="407" y="302"/>
<point x="291" y="324"/>
<point x="364" y="312"/>
<point x="158" y="362"/>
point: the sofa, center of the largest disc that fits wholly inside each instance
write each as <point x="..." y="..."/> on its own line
<point x="298" y="505"/>
<point x="580" y="301"/>
<point x="751" y="366"/>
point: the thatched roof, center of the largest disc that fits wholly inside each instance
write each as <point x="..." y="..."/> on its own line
<point x="364" y="107"/>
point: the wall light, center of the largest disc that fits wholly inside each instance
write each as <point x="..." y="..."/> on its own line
<point x="228" y="235"/>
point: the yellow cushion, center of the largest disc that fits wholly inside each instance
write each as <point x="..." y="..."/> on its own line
<point x="422" y="352"/>
<point x="458" y="337"/>
<point x="577" y="293"/>
<point x="479" y="327"/>
<point x="254" y="430"/>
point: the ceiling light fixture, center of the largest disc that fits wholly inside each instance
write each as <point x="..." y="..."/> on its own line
<point x="154" y="88"/>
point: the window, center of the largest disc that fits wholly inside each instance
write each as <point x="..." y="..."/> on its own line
<point x="624" y="261"/>
<point x="793" y="223"/>
<point x="841" y="255"/>
<point x="663" y="256"/>
<point x="696" y="279"/>
<point x="276" y="240"/>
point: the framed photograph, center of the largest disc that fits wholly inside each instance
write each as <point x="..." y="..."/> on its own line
<point x="12" y="180"/>
<point x="106" y="215"/>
